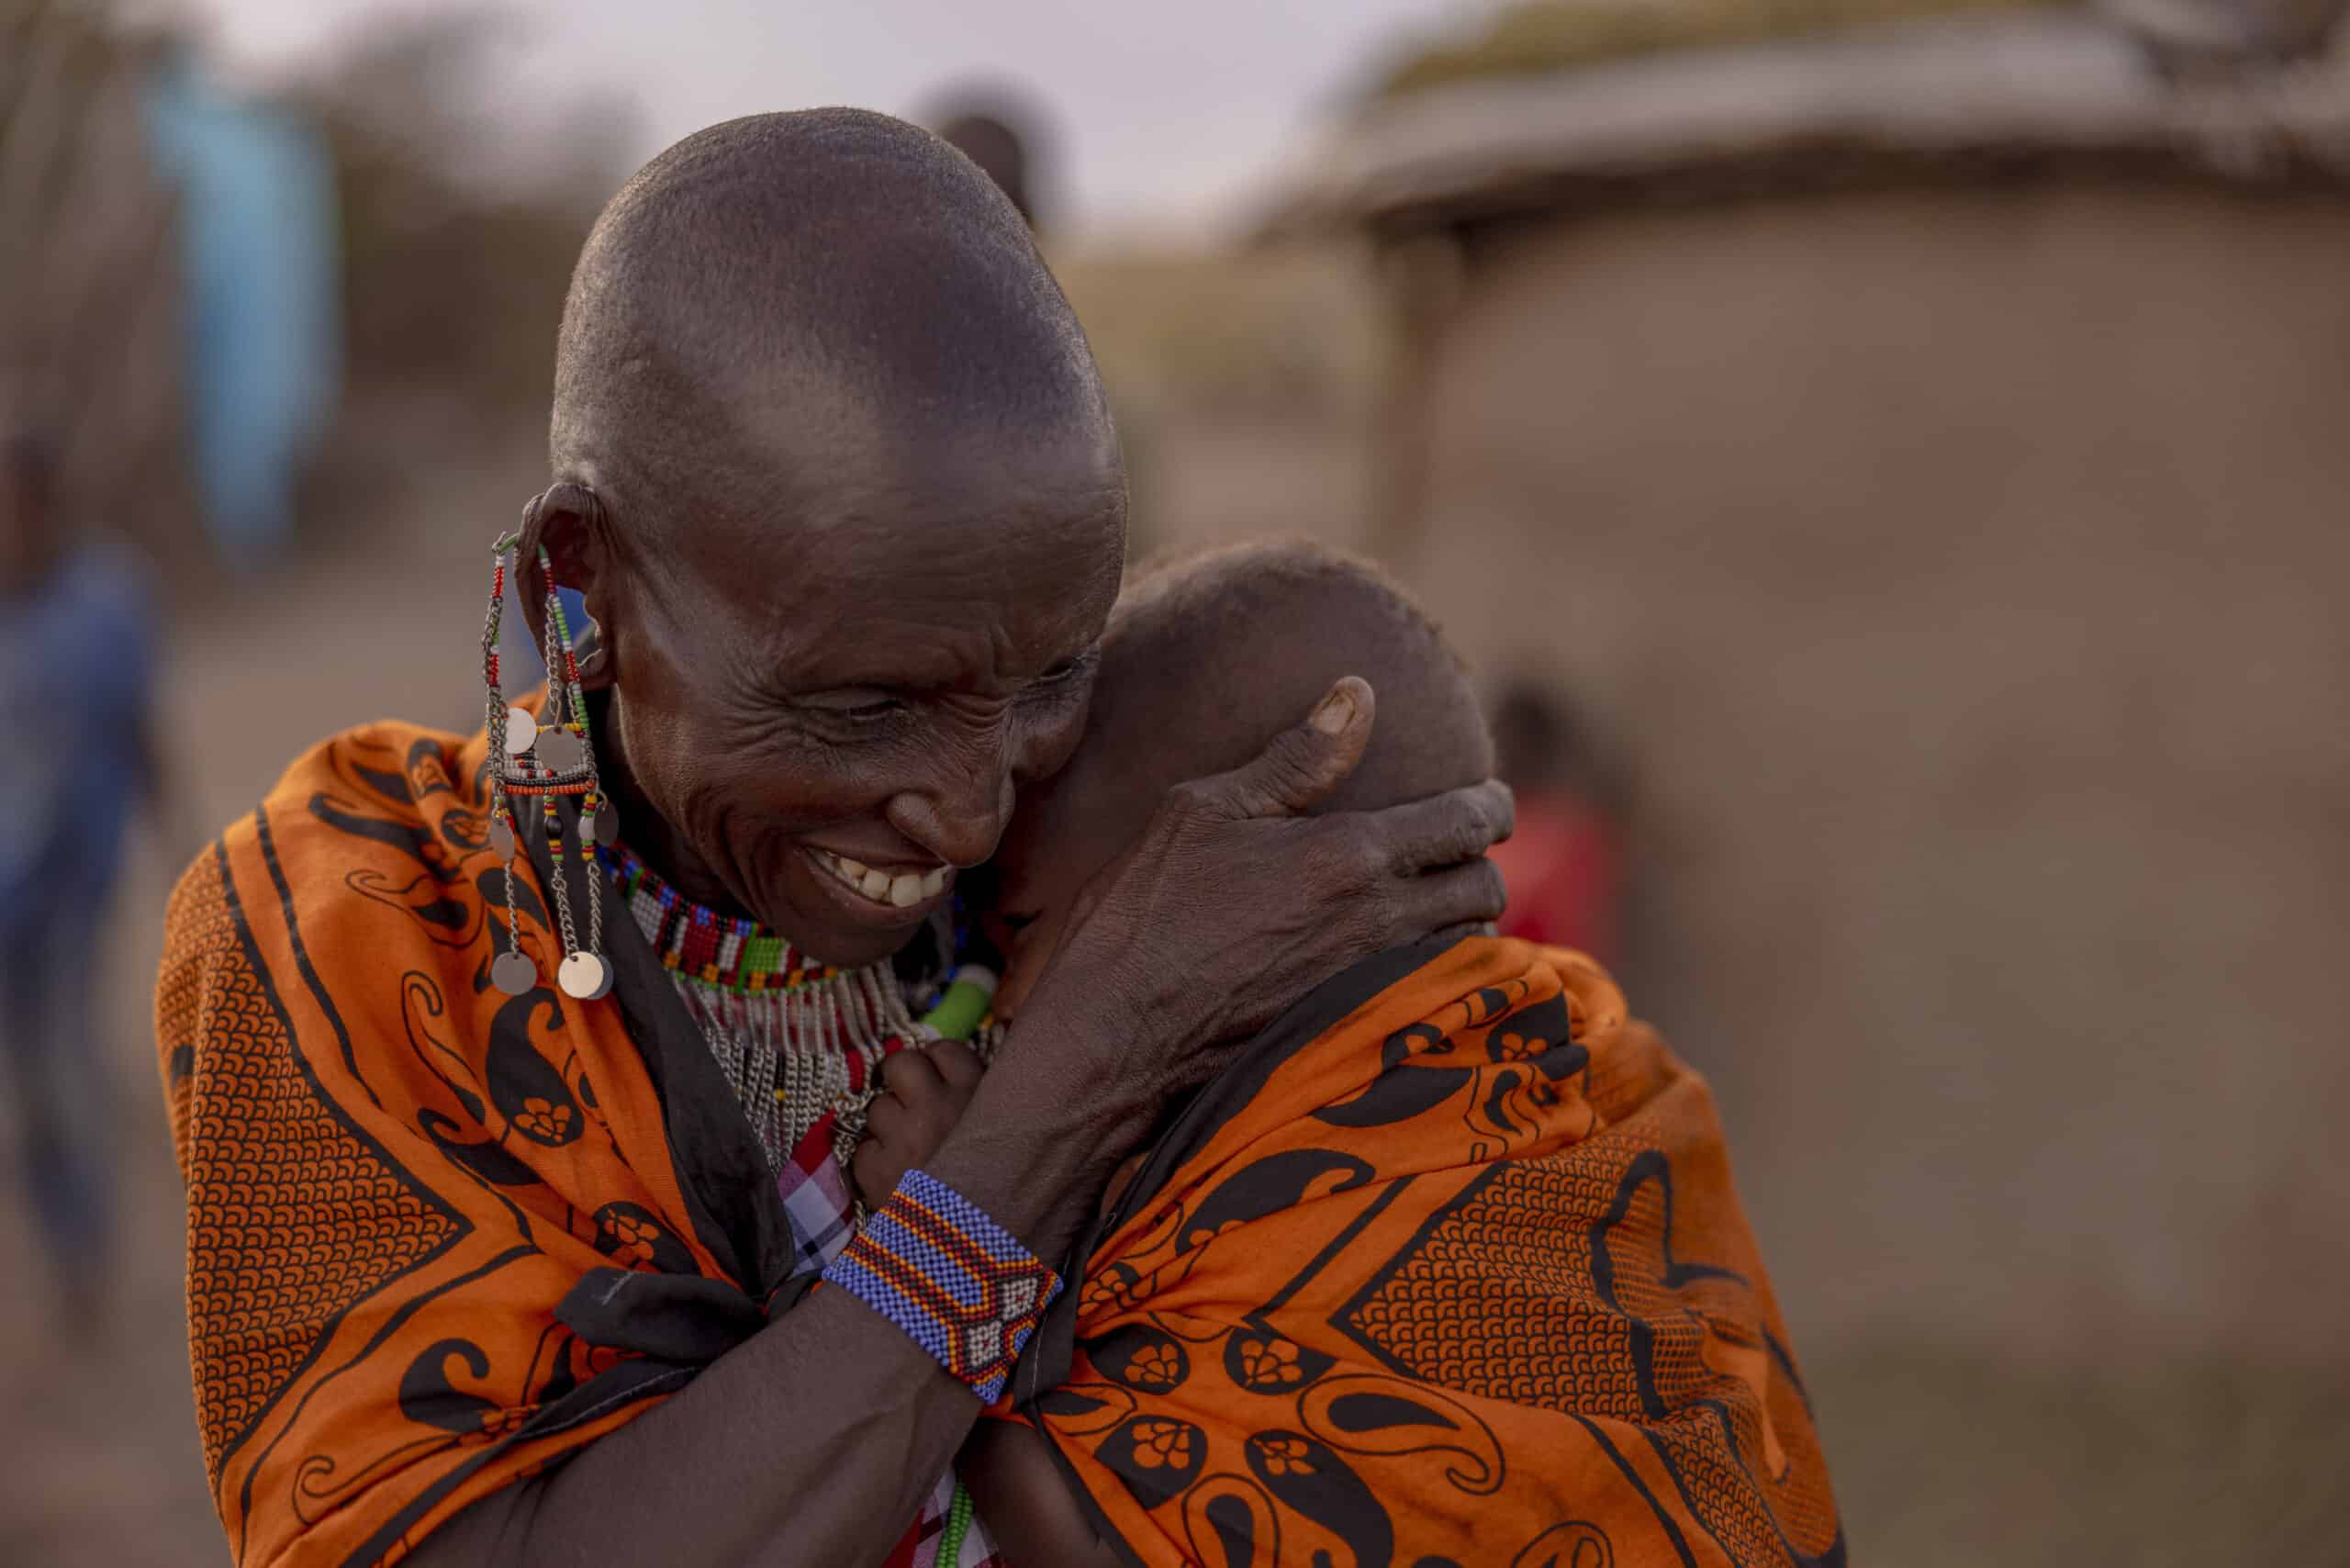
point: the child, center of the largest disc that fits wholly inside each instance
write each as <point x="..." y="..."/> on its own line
<point x="1204" y="663"/>
<point x="1441" y="1246"/>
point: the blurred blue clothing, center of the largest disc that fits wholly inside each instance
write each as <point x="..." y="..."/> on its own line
<point x="77" y="663"/>
<point x="76" y="669"/>
<point x="258" y="230"/>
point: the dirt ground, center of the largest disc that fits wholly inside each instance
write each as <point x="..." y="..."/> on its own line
<point x="1942" y="1459"/>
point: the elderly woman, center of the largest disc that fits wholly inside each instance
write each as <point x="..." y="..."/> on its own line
<point x="508" y="1214"/>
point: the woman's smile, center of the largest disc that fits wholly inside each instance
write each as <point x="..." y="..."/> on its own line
<point x="882" y="895"/>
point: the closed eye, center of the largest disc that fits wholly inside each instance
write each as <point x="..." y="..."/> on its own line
<point x="858" y="704"/>
<point x="1068" y="671"/>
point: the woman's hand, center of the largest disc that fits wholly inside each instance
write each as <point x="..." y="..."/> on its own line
<point x="1234" y="903"/>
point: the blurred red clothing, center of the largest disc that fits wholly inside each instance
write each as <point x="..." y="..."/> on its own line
<point x="1564" y="867"/>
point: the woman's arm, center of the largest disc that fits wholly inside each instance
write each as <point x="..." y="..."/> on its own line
<point x="815" y="1440"/>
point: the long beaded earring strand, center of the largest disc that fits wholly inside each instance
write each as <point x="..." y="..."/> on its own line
<point x="546" y="755"/>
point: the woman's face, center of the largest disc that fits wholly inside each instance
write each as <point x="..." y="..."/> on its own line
<point x="837" y="723"/>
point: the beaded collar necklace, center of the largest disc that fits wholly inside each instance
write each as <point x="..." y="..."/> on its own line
<point x="797" y="1040"/>
<point x="733" y="953"/>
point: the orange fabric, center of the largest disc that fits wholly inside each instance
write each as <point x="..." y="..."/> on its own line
<point x="1464" y="1280"/>
<point x="394" y="1172"/>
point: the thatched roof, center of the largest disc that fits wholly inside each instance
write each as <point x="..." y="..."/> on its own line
<point x="1967" y="97"/>
<point x="1533" y="38"/>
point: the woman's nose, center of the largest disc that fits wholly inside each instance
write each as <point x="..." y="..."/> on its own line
<point x="960" y="811"/>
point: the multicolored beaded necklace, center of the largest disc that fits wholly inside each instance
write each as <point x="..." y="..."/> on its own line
<point x="795" y="1038"/>
<point x="733" y="953"/>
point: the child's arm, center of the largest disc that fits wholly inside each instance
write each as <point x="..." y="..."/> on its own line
<point x="1019" y="1491"/>
<point x="1024" y="1500"/>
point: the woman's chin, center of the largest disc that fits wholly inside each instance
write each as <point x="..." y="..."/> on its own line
<point x="853" y="949"/>
<point x="843" y="929"/>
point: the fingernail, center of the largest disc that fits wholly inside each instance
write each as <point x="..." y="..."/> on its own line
<point x="1335" y="711"/>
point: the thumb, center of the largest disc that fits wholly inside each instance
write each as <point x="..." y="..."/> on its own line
<point x="1305" y="763"/>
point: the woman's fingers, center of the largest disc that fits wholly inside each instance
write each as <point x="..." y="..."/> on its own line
<point x="1445" y="830"/>
<point x="1303" y="764"/>
<point x="1457" y="897"/>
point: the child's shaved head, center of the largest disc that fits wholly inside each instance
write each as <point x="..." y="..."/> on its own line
<point x="1203" y="663"/>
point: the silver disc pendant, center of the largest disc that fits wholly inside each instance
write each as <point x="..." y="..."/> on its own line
<point x="513" y="973"/>
<point x="608" y="827"/>
<point x="521" y="731"/>
<point x="561" y="750"/>
<point x="584" y="976"/>
<point x="501" y="839"/>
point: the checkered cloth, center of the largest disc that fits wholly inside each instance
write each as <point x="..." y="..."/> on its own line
<point x="817" y="1201"/>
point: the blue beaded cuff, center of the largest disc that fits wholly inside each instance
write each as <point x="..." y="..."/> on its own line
<point x="955" y="1281"/>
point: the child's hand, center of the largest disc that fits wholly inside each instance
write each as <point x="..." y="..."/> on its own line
<point x="926" y="1090"/>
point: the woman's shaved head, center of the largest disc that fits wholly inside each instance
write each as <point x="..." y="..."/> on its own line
<point x="778" y="297"/>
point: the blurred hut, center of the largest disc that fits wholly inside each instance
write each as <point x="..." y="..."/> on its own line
<point x="1923" y="443"/>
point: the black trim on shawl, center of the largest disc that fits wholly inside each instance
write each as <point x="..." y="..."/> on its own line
<point x="624" y="1384"/>
<point x="729" y="1194"/>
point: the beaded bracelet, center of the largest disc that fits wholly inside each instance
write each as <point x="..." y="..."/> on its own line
<point x="955" y="1281"/>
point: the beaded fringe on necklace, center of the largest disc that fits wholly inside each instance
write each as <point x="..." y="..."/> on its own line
<point x="787" y="1054"/>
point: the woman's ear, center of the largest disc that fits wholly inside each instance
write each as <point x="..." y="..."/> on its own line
<point x="568" y="522"/>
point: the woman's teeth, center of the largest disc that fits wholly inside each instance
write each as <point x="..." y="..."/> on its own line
<point x="904" y="890"/>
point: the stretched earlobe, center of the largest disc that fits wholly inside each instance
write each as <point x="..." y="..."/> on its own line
<point x="565" y="499"/>
<point x="595" y="669"/>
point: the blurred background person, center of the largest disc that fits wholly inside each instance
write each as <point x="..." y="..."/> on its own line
<point x="1009" y="131"/>
<point x="994" y="128"/>
<point x="78" y="760"/>
<point x="1565" y="863"/>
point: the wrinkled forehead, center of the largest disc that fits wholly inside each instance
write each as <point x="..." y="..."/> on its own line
<point x="804" y="543"/>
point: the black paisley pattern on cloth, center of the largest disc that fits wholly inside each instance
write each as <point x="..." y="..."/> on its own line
<point x="1450" y="1270"/>
<point x="438" y="1235"/>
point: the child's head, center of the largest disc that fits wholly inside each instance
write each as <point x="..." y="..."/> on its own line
<point x="1203" y="663"/>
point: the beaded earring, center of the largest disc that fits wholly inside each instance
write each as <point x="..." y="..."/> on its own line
<point x="545" y="755"/>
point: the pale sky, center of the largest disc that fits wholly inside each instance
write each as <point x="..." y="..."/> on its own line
<point x="1169" y="113"/>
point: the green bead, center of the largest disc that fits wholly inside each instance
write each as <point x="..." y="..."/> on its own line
<point x="958" y="1524"/>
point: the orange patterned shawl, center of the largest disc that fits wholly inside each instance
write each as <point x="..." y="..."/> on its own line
<point x="1448" y="1270"/>
<point x="437" y="1236"/>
